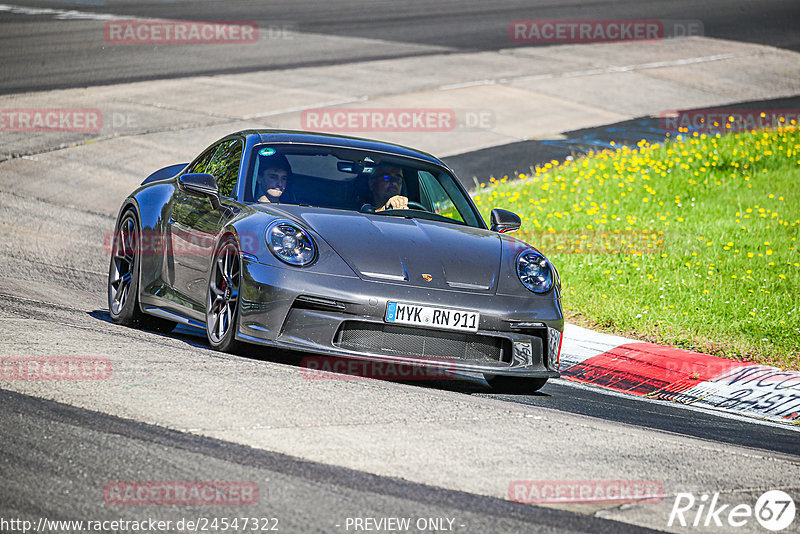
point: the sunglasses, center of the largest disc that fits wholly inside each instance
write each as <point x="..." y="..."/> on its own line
<point x="391" y="178"/>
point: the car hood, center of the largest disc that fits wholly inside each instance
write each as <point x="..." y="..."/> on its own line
<point x="410" y="251"/>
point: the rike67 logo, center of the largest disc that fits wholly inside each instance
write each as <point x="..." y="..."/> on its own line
<point x="774" y="510"/>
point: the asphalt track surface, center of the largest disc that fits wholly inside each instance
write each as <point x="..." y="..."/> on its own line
<point x="598" y="403"/>
<point x="39" y="52"/>
<point x="55" y="458"/>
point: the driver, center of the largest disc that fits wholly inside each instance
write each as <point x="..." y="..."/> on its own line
<point x="272" y="180"/>
<point x="385" y="188"/>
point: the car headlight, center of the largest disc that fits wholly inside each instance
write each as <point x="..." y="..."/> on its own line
<point x="535" y="272"/>
<point x="290" y="243"/>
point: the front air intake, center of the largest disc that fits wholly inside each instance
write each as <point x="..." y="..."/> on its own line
<point x="413" y="342"/>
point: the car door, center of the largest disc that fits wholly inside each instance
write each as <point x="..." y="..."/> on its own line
<point x="194" y="222"/>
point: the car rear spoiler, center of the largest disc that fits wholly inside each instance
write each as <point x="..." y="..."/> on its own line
<point x="166" y="172"/>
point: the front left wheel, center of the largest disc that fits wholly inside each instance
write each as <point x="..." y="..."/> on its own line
<point x="123" y="278"/>
<point x="222" y="299"/>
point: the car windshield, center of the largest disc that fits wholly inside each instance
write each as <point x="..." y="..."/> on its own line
<point x="351" y="179"/>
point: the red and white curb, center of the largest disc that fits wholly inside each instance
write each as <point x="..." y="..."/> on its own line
<point x="692" y="378"/>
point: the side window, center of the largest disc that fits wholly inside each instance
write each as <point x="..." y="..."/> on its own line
<point x="433" y="194"/>
<point x="202" y="163"/>
<point x="222" y="162"/>
<point x="224" y="165"/>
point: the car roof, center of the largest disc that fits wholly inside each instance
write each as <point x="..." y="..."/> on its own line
<point x="317" y="138"/>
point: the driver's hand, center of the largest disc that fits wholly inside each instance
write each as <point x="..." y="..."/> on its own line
<point x="397" y="202"/>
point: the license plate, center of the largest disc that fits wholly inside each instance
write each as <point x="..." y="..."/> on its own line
<point x="434" y="317"/>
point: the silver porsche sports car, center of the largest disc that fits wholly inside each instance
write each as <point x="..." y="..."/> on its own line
<point x="336" y="246"/>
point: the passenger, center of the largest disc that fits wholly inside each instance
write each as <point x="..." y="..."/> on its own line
<point x="386" y="188"/>
<point x="273" y="179"/>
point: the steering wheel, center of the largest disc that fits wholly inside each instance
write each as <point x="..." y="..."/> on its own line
<point x="416" y="206"/>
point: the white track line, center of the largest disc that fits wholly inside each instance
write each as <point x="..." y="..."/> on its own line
<point x="62" y="14"/>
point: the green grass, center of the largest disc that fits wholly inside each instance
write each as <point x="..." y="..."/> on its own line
<point x="691" y="243"/>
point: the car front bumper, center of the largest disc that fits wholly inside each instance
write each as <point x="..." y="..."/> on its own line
<point x="344" y="316"/>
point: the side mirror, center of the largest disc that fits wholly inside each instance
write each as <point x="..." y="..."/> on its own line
<point x="202" y="184"/>
<point x="505" y="221"/>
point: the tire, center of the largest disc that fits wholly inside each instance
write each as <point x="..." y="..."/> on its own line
<point x="123" y="279"/>
<point x="515" y="385"/>
<point x="222" y="297"/>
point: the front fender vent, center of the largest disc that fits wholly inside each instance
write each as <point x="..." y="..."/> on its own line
<point x="309" y="302"/>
